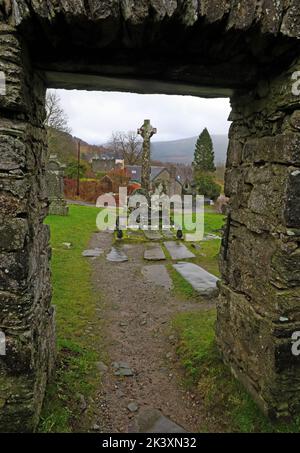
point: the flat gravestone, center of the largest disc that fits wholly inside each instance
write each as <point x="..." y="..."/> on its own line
<point x="158" y="275"/>
<point x="211" y="237"/>
<point x="135" y="234"/>
<point x="153" y="235"/>
<point x="154" y="253"/>
<point x="153" y="421"/>
<point x="93" y="253"/>
<point x="201" y="280"/>
<point x="178" y="251"/>
<point x="117" y="255"/>
<point x="168" y="234"/>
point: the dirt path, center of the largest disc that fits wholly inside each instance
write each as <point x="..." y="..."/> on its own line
<point x="137" y="316"/>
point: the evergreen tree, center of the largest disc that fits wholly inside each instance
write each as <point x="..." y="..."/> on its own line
<point x="204" y="153"/>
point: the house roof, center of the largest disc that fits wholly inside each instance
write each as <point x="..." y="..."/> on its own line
<point x="135" y="172"/>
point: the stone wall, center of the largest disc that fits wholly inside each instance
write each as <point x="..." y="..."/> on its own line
<point x="209" y="48"/>
<point x="259" y="307"/>
<point x="26" y="316"/>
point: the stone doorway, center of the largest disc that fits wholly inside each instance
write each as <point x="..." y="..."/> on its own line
<point x="250" y="53"/>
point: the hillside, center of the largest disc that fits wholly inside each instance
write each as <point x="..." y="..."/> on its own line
<point x="182" y="151"/>
<point x="65" y="146"/>
<point x="177" y="151"/>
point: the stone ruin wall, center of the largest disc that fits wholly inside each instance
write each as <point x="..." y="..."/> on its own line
<point x="259" y="307"/>
<point x="261" y="274"/>
<point x="26" y="315"/>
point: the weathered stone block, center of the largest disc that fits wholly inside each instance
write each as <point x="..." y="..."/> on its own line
<point x="282" y="148"/>
<point x="13" y="153"/>
<point x="295" y="119"/>
<point x="263" y="268"/>
<point x="286" y="268"/>
<point x="292" y="196"/>
<point x="14" y="268"/>
<point x="251" y="346"/>
<point x="13" y="234"/>
<point x="234" y="154"/>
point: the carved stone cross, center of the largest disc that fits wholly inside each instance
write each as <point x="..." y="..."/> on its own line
<point x="146" y="131"/>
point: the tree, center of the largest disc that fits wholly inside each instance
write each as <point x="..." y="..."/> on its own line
<point x="204" y="153"/>
<point x="119" y="177"/>
<point x="60" y="142"/>
<point x="71" y="170"/>
<point x="127" y="146"/>
<point x="207" y="186"/>
<point x="56" y="118"/>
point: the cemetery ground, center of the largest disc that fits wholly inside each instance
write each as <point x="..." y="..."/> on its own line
<point x="107" y="313"/>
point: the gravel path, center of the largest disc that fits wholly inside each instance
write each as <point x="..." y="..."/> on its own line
<point x="137" y="330"/>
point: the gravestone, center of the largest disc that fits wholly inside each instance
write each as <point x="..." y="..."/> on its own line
<point x="178" y="251"/>
<point x="55" y="185"/>
<point x="154" y="253"/>
<point x="117" y="255"/>
<point x="202" y="281"/>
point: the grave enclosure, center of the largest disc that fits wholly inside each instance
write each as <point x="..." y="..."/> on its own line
<point x="247" y="50"/>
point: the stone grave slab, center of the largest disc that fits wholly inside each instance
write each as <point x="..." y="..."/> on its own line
<point x="178" y="251"/>
<point x="154" y="253"/>
<point x="153" y="235"/>
<point x="158" y="275"/>
<point x="153" y="421"/>
<point x="211" y="237"/>
<point x="117" y="255"/>
<point x="92" y="253"/>
<point x="201" y="280"/>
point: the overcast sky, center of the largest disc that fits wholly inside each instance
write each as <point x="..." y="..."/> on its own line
<point x="93" y="116"/>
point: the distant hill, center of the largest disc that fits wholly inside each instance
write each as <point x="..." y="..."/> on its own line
<point x="182" y="151"/>
<point x="65" y="146"/>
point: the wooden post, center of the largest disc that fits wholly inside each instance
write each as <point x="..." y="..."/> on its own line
<point x="78" y="170"/>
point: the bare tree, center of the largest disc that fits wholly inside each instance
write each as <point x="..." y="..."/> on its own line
<point x="56" y="118"/>
<point x="185" y="171"/>
<point x="127" y="146"/>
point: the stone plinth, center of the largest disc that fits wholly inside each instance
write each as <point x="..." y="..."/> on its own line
<point x="55" y="184"/>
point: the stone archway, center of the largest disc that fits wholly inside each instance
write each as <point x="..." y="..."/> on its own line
<point x="246" y="50"/>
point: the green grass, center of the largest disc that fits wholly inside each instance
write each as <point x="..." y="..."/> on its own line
<point x="180" y="285"/>
<point x="207" y="256"/>
<point x="75" y="304"/>
<point x="226" y="406"/>
<point x="213" y="221"/>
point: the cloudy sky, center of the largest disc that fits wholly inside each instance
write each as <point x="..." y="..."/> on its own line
<point x="93" y="116"/>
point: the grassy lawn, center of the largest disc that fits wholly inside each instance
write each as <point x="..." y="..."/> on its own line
<point x="77" y="334"/>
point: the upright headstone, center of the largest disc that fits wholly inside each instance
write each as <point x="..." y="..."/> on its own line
<point x="55" y="184"/>
<point x="146" y="131"/>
